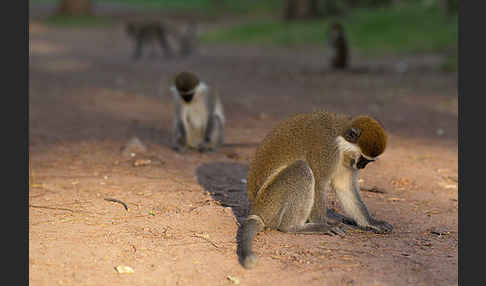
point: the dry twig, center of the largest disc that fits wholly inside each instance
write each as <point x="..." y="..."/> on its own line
<point x="117" y="201"/>
<point x="206" y="238"/>
<point x="373" y="189"/>
<point x="50" y="208"/>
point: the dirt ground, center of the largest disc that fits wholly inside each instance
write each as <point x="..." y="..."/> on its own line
<point x="87" y="99"/>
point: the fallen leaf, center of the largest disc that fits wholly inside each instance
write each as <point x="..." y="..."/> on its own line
<point x="447" y="186"/>
<point x="235" y="280"/>
<point x="124" y="269"/>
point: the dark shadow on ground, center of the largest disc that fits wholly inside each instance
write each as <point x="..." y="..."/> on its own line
<point x="240" y="145"/>
<point x="223" y="181"/>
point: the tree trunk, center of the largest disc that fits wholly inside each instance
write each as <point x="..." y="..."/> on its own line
<point x="75" y="7"/>
<point x="301" y="9"/>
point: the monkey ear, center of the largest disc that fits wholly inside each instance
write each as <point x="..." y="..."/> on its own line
<point x="352" y="134"/>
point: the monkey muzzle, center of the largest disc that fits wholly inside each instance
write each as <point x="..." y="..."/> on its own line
<point x="187" y="97"/>
<point x="362" y="162"/>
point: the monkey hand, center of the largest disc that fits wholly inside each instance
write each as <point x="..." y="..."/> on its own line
<point x="205" y="147"/>
<point x="379" y="226"/>
<point x="179" y="148"/>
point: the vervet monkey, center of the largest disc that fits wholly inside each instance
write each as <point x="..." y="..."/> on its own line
<point x="339" y="46"/>
<point x="144" y="33"/>
<point x="298" y="163"/>
<point x="198" y="117"/>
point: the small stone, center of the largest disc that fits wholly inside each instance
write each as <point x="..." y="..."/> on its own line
<point x="142" y="162"/>
<point x="235" y="280"/>
<point x="439" y="231"/>
<point x="132" y="147"/>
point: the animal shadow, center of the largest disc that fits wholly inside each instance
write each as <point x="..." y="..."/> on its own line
<point x="224" y="182"/>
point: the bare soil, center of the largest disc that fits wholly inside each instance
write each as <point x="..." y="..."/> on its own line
<point x="87" y="99"/>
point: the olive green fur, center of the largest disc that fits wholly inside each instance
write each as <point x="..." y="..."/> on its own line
<point x="297" y="164"/>
<point x="372" y="140"/>
<point x="291" y="140"/>
<point x="186" y="81"/>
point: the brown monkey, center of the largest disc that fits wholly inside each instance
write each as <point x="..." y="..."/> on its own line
<point x="298" y="163"/>
<point x="339" y="47"/>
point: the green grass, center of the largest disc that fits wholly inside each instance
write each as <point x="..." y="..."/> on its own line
<point x="79" y="21"/>
<point x="451" y="64"/>
<point x="205" y="6"/>
<point x="408" y="29"/>
<point x="371" y="31"/>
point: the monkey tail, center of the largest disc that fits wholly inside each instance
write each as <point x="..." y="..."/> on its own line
<point x="249" y="229"/>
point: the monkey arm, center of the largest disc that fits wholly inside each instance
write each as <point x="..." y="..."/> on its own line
<point x="137" y="52"/>
<point x="345" y="184"/>
<point x="178" y="132"/>
<point x="179" y="135"/>
<point x="164" y="43"/>
<point x="319" y="209"/>
<point x="213" y="136"/>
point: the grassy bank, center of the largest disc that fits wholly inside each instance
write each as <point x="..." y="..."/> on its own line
<point x="203" y="6"/>
<point x="372" y="31"/>
<point x="398" y="29"/>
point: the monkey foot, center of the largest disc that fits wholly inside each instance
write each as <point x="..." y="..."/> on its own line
<point x="336" y="230"/>
<point x="379" y="226"/>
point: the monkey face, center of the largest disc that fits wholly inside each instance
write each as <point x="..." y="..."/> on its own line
<point x="362" y="162"/>
<point x="187" y="97"/>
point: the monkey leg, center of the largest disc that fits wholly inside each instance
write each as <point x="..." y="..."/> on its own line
<point x="137" y="53"/>
<point x="286" y="203"/>
<point x="164" y="45"/>
<point x="319" y="213"/>
<point x="179" y="136"/>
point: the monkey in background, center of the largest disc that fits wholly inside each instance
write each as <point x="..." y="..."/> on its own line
<point x="339" y="46"/>
<point x="298" y="163"/>
<point x="143" y="33"/>
<point x="198" y="120"/>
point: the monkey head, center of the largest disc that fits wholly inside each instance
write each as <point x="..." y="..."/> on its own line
<point x="335" y="31"/>
<point x="368" y="134"/>
<point x="186" y="83"/>
<point x="130" y="28"/>
<point x="336" y="26"/>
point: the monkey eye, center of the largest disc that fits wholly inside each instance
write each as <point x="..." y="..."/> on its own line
<point x="352" y="135"/>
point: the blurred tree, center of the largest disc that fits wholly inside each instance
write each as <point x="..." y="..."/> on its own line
<point x="450" y="6"/>
<point x="306" y="9"/>
<point x="300" y="9"/>
<point x="75" y="7"/>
